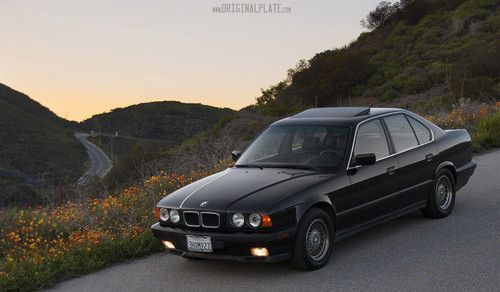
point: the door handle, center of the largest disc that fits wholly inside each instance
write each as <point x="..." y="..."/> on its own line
<point x="391" y="170"/>
<point x="429" y="157"/>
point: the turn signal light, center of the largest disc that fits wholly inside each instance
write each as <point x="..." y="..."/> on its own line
<point x="259" y="251"/>
<point x="157" y="213"/>
<point x="266" y="220"/>
<point x="168" y="244"/>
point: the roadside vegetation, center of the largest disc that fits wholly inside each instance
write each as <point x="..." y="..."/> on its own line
<point x="40" y="246"/>
<point x="482" y="122"/>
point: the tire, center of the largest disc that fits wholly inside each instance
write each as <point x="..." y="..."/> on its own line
<point x="314" y="225"/>
<point x="442" y="197"/>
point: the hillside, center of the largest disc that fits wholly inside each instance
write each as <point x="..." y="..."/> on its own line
<point x="171" y="121"/>
<point x="36" y="147"/>
<point x="426" y="55"/>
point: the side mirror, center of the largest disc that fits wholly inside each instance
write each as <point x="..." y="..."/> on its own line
<point x="236" y="154"/>
<point x="365" y="159"/>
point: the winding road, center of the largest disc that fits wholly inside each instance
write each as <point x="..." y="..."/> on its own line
<point x="457" y="253"/>
<point x="100" y="164"/>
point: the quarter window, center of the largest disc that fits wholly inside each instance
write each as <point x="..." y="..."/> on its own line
<point x="422" y="132"/>
<point x="401" y="132"/>
<point x="371" y="139"/>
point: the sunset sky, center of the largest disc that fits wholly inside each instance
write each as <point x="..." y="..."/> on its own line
<point x="81" y="58"/>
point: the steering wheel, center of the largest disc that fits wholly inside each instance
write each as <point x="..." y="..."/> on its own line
<point x="324" y="152"/>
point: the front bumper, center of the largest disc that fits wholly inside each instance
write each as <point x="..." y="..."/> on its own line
<point x="232" y="246"/>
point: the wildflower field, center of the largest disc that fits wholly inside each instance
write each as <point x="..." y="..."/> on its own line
<point x="41" y="246"/>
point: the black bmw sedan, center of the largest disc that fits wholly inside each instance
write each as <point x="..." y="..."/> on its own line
<point x="312" y="179"/>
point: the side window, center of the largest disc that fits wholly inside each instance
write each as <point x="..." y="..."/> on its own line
<point x="371" y="139"/>
<point x="401" y="132"/>
<point x="422" y="132"/>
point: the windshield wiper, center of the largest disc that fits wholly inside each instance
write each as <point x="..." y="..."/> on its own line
<point x="292" y="166"/>
<point x="250" y="166"/>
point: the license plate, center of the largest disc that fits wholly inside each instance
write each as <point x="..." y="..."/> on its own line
<point x="199" y="243"/>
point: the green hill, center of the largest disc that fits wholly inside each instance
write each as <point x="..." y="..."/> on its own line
<point x="36" y="147"/>
<point x="417" y="50"/>
<point x="170" y="121"/>
<point x="147" y="131"/>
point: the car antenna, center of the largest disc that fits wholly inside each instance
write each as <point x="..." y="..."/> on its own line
<point x="364" y="112"/>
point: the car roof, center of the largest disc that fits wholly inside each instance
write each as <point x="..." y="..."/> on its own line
<point x="335" y="115"/>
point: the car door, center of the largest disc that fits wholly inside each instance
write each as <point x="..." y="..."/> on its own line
<point x="415" y="153"/>
<point x="373" y="187"/>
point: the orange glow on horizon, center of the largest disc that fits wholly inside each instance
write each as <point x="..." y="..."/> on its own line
<point x="82" y="58"/>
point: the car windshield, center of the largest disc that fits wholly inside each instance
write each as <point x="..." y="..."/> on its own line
<point x="307" y="147"/>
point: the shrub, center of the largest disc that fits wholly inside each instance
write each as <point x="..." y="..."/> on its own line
<point x="436" y="71"/>
<point x="390" y="95"/>
<point x="416" y="84"/>
<point x="487" y="133"/>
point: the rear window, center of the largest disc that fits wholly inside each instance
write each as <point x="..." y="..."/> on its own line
<point x="422" y="132"/>
<point x="401" y="132"/>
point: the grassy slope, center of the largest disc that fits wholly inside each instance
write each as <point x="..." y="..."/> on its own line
<point x="452" y="46"/>
<point x="34" y="143"/>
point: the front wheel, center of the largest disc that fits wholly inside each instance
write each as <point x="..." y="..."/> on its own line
<point x="314" y="243"/>
<point x="442" y="198"/>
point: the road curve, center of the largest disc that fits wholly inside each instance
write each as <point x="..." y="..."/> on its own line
<point x="100" y="164"/>
<point x="412" y="253"/>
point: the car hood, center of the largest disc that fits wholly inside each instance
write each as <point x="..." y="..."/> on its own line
<point x="243" y="189"/>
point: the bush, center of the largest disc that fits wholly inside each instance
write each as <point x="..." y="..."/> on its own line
<point x="487" y="133"/>
<point x="390" y="95"/>
<point x="436" y="72"/>
<point x="416" y="84"/>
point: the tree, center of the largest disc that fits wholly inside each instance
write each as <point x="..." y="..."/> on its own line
<point x="380" y="15"/>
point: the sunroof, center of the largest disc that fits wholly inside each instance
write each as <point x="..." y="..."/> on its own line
<point x="334" y="112"/>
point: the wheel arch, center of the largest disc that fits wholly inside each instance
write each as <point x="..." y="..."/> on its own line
<point x="326" y="205"/>
<point x="448" y="165"/>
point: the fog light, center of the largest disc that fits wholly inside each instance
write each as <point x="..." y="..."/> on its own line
<point x="168" y="244"/>
<point x="259" y="252"/>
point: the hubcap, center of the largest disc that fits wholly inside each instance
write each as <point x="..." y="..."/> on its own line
<point x="317" y="240"/>
<point x="444" y="192"/>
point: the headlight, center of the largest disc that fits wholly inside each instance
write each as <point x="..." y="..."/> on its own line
<point x="238" y="220"/>
<point x="174" y="216"/>
<point x="164" y="214"/>
<point x="254" y="220"/>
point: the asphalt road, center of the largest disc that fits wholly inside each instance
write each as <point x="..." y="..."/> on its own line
<point x="100" y="164"/>
<point x="458" y="253"/>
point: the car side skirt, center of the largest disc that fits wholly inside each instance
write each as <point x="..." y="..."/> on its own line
<point x="340" y="235"/>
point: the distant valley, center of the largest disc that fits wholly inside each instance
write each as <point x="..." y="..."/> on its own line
<point x="38" y="149"/>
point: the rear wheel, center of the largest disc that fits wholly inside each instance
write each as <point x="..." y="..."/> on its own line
<point x="442" y="198"/>
<point x="314" y="242"/>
